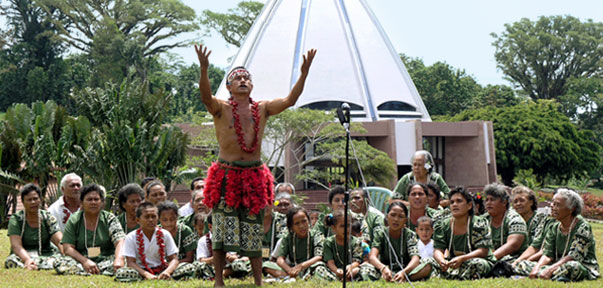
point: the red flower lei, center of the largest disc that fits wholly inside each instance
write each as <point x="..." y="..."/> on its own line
<point x="237" y="124"/>
<point x="143" y="258"/>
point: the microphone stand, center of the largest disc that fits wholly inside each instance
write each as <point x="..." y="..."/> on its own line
<point x="346" y="199"/>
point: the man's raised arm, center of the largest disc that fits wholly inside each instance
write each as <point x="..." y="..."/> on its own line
<point x="280" y="104"/>
<point x="211" y="103"/>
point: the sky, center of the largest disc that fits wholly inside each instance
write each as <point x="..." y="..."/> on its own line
<point x="455" y="32"/>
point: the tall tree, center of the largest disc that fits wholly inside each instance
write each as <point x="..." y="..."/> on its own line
<point x="537" y="136"/>
<point x="444" y="89"/>
<point x="541" y="56"/>
<point x="31" y="68"/>
<point x="234" y="25"/>
<point x="120" y="35"/>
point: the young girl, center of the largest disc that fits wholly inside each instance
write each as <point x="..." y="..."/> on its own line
<point x="150" y="250"/>
<point x="394" y="251"/>
<point x="334" y="253"/>
<point x="300" y="253"/>
<point x="425" y="231"/>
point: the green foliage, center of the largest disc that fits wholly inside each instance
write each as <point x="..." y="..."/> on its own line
<point x="29" y="137"/>
<point x="583" y="103"/>
<point x="121" y="35"/>
<point x="234" y="25"/>
<point x="30" y="65"/>
<point x="317" y="145"/>
<point x="526" y="178"/>
<point x="537" y="136"/>
<point x="130" y="141"/>
<point x="541" y="56"/>
<point x="446" y="90"/>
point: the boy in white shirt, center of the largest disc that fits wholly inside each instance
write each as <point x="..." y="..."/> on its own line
<point x="150" y="251"/>
<point x="425" y="231"/>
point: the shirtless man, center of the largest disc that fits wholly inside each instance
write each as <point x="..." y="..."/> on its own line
<point x="238" y="206"/>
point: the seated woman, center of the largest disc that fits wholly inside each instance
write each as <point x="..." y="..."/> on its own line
<point x="394" y="253"/>
<point x="569" y="251"/>
<point x="129" y="196"/>
<point x="417" y="199"/>
<point x="336" y="196"/>
<point x="509" y="230"/>
<point x="155" y="192"/>
<point x="93" y="238"/>
<point x="422" y="172"/>
<point x="31" y="231"/>
<point x="467" y="239"/>
<point x="150" y="250"/>
<point x="334" y="254"/>
<point x="300" y="254"/>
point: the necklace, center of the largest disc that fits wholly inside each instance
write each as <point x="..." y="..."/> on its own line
<point x="39" y="230"/>
<point x="307" y="249"/>
<point x="346" y="252"/>
<point x="86" y="231"/>
<point x="160" y="243"/>
<point x="569" y="234"/>
<point x="239" y="129"/>
<point x="452" y="235"/>
<point x="391" y="266"/>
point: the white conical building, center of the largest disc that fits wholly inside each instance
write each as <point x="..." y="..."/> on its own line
<point x="356" y="62"/>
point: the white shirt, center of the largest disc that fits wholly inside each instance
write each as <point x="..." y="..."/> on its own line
<point x="202" y="249"/>
<point x="186" y="210"/>
<point x="151" y="249"/>
<point x="57" y="209"/>
<point x="277" y="247"/>
<point x="425" y="251"/>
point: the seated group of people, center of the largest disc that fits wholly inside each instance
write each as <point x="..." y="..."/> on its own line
<point x="427" y="231"/>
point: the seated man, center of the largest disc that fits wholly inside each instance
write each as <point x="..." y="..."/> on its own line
<point x="197" y="184"/>
<point x="370" y="218"/>
<point x="150" y="251"/>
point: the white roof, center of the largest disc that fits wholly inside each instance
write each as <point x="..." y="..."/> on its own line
<point x="355" y="63"/>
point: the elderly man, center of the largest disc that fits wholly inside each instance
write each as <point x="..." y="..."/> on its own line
<point x="69" y="203"/>
<point x="198" y="207"/>
<point x="186" y="210"/>
<point x="369" y="216"/>
<point x="422" y="172"/>
<point x="239" y="185"/>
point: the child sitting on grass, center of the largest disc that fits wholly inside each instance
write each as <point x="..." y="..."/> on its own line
<point x="334" y="253"/>
<point x="150" y="251"/>
<point x="425" y="231"/>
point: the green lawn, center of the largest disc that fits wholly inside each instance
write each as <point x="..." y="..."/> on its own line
<point x="22" y="278"/>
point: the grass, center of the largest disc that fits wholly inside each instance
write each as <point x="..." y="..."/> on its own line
<point x="21" y="278"/>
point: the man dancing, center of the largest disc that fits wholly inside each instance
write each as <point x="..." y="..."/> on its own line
<point x="238" y="187"/>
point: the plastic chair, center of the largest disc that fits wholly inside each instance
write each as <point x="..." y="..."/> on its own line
<point x="379" y="197"/>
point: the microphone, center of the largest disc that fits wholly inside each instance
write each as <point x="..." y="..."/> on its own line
<point x="343" y="113"/>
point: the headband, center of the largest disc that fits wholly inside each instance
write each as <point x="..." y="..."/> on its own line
<point x="236" y="72"/>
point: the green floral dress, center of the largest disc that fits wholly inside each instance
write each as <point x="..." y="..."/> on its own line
<point x="44" y="256"/>
<point x="335" y="252"/>
<point x="579" y="244"/>
<point x="404" y="248"/>
<point x="108" y="233"/>
<point x="478" y="236"/>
